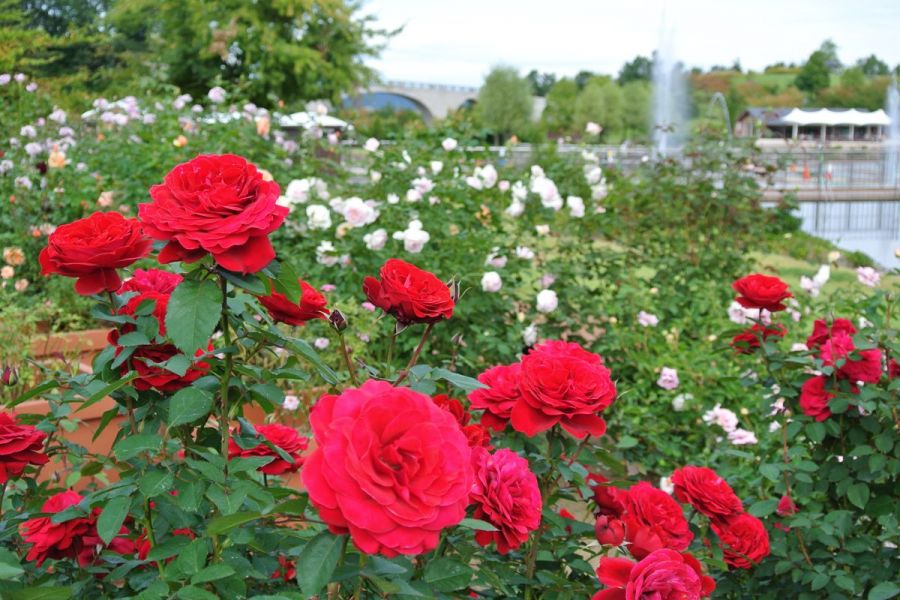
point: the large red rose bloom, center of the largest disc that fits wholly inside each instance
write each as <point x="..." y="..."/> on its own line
<point x="215" y="204"/>
<point x="507" y="496"/>
<point x="151" y="280"/>
<point x="654" y="520"/>
<point x="865" y="367"/>
<point x="499" y="397"/>
<point x="390" y="467"/>
<point x="281" y="436"/>
<point x="822" y="332"/>
<point x="662" y="575"/>
<point x="20" y="446"/>
<point x="761" y="291"/>
<point x="563" y="383"/>
<point x="814" y="398"/>
<point x="312" y="306"/>
<point x="745" y="540"/>
<point x="408" y="293"/>
<point x="91" y="249"/>
<point x="703" y="489"/>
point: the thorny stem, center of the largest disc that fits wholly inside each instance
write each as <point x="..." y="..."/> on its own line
<point x="345" y="351"/>
<point x="226" y="377"/>
<point x="129" y="403"/>
<point x="415" y="356"/>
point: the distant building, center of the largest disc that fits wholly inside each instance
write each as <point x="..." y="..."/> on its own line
<point x="814" y="124"/>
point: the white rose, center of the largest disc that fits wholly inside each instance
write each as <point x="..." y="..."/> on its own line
<point x="216" y="95"/>
<point x="376" y="240"/>
<point x="530" y="335"/>
<point x="413" y="195"/>
<point x="449" y="144"/>
<point x="592" y="128"/>
<point x="414" y="237"/>
<point x="375" y="176"/>
<point x="371" y="145"/>
<point x="524" y="252"/>
<point x="515" y="209"/>
<point x="576" y="206"/>
<point x="318" y="217"/>
<point x="358" y="212"/>
<point x="547" y="301"/>
<point x="491" y="282"/>
<point x="436" y="166"/>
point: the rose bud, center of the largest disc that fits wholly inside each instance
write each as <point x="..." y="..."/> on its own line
<point x="10" y="376"/>
<point x="338" y="320"/>
<point x="457" y="339"/>
<point x="609" y="531"/>
<point x="454" y="290"/>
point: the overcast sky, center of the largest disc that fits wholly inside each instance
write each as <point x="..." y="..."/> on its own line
<point x="457" y="41"/>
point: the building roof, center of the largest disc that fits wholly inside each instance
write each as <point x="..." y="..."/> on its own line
<point x="830" y="116"/>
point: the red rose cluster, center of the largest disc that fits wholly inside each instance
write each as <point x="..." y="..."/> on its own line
<point x="657" y="534"/>
<point x="283" y="437"/>
<point x="556" y="383"/>
<point x="836" y="349"/>
<point x="20" y="446"/>
<point x="153" y="286"/>
<point x="76" y="538"/>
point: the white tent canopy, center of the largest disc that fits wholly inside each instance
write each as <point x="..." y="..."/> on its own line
<point x="306" y="120"/>
<point x="824" y="116"/>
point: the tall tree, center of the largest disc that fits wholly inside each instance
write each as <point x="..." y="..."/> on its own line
<point x="559" y="113"/>
<point x="504" y="102"/>
<point x="601" y="101"/>
<point x="638" y="69"/>
<point x="815" y="74"/>
<point x="636" y="109"/>
<point x="540" y="82"/>
<point x="872" y="66"/>
<point x="829" y="49"/>
<point x="290" y="49"/>
<point x="582" y="77"/>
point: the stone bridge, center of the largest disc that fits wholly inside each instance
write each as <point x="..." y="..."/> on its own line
<point x="431" y="100"/>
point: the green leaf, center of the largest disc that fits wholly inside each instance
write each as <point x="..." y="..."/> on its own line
<point x="319" y="558"/>
<point x="131" y="446"/>
<point x="35" y="391"/>
<point x="305" y="350"/>
<point x="884" y="590"/>
<point x="447" y="575"/>
<point x="192" y="558"/>
<point x="288" y="282"/>
<point x="154" y="483"/>
<point x="178" y="364"/>
<point x="467" y="384"/>
<point x="212" y="573"/>
<point x="816" y="431"/>
<point x="188" y="405"/>
<point x="111" y="518"/>
<point x="763" y="508"/>
<point x="627" y="442"/>
<point x="858" y="494"/>
<point x="10" y="567"/>
<point x="40" y="593"/>
<point x="770" y="472"/>
<point x="219" y="525"/>
<point x="477" y="525"/>
<point x="133" y="338"/>
<point x="107" y="390"/>
<point x="168" y="548"/>
<point x="251" y="283"/>
<point x="193" y="592"/>
<point x="192" y="314"/>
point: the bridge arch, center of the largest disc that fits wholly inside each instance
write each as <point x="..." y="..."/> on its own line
<point x="379" y="99"/>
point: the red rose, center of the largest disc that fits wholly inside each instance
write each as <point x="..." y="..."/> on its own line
<point x="786" y="506"/>
<point x="814" y="398"/>
<point x="822" y="332"/>
<point x="865" y="368"/>
<point x="654" y="520"/>
<point x="609" y="531"/>
<point x="287" y="569"/>
<point x="703" y="489"/>
<point x="748" y="340"/>
<point x="477" y="435"/>
<point x="610" y="500"/>
<point x="76" y="538"/>
<point x="499" y="397"/>
<point x="761" y="291"/>
<point x="662" y="575"/>
<point x="146" y="359"/>
<point x="20" y="446"/>
<point x="390" y="467"/>
<point x="216" y="204"/>
<point x="91" y="250"/>
<point x="745" y="540"/>
<point x="454" y="407"/>
<point x="312" y="306"/>
<point x="151" y="280"/>
<point x="893" y="369"/>
<point x="507" y="496"/>
<point x="149" y="375"/>
<point x="284" y="437"/>
<point x="408" y="293"/>
<point x="563" y="383"/>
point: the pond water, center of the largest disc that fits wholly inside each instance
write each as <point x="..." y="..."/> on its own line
<point x="872" y="227"/>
